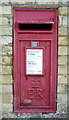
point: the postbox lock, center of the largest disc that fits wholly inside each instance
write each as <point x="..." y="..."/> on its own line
<point x="34" y="43"/>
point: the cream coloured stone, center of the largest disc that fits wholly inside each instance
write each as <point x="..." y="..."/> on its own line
<point x="47" y="1"/>
<point x="7" y="70"/>
<point x="62" y="50"/>
<point x="63" y="41"/>
<point x="7" y="98"/>
<point x="0" y="97"/>
<point x="0" y="20"/>
<point x="6" y="30"/>
<point x="1" y="30"/>
<point x="4" y="1"/>
<point x="63" y="10"/>
<point x="62" y="107"/>
<point x="1" y="88"/>
<point x="1" y="41"/>
<point x="6" y="9"/>
<point x="7" y="89"/>
<point x="63" y="79"/>
<point x="0" y="79"/>
<point x="1" y="50"/>
<point x="7" y="79"/>
<point x="7" y="107"/>
<point x="66" y="21"/>
<point x="7" y="50"/>
<point x="62" y="98"/>
<point x="62" y="60"/>
<point x="63" y="31"/>
<point x="0" y="69"/>
<point x="5" y="21"/>
<point x="0" y="59"/>
<point x="7" y="114"/>
<point x="62" y="89"/>
<point x="1" y="106"/>
<point x="7" y="60"/>
<point x="6" y="40"/>
<point x="62" y="70"/>
<point x="0" y="115"/>
<point x="64" y="1"/>
<point x="1" y="9"/>
<point x="23" y="1"/>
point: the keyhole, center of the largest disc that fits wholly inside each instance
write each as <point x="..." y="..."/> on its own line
<point x="26" y="78"/>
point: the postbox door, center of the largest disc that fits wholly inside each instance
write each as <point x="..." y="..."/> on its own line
<point x="35" y="73"/>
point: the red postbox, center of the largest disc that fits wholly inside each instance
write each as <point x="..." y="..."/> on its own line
<point x="35" y="60"/>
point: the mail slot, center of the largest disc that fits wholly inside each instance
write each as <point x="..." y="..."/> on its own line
<point x="35" y="60"/>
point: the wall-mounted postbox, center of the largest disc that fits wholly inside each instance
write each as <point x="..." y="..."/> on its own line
<point x="35" y="60"/>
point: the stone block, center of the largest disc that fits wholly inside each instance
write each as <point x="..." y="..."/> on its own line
<point x="0" y="20"/>
<point x="47" y="1"/>
<point x="1" y="30"/>
<point x="63" y="10"/>
<point x="7" y="89"/>
<point x="0" y="69"/>
<point x="61" y="107"/>
<point x="7" y="70"/>
<point x="62" y="60"/>
<point x="23" y="1"/>
<point x="1" y="106"/>
<point x="1" y="41"/>
<point x="63" y="41"/>
<point x="6" y="40"/>
<point x="6" y="20"/>
<point x="4" y="1"/>
<point x="63" y="31"/>
<point x="6" y="30"/>
<point x="62" y="50"/>
<point x="7" y="107"/>
<point x="7" y="50"/>
<point x="66" y="21"/>
<point x="55" y="116"/>
<point x="0" y="79"/>
<point x="0" y="50"/>
<point x="7" y="60"/>
<point x="0" y="115"/>
<point x="64" y="1"/>
<point x="7" y="98"/>
<point x="28" y="1"/>
<point x="0" y="89"/>
<point x="0" y="59"/>
<point x="67" y="60"/>
<point x="63" y="79"/>
<point x="62" y="70"/>
<point x="6" y="9"/>
<point x="0" y="97"/>
<point x="11" y="22"/>
<point x="7" y="79"/>
<point x="7" y="115"/>
<point x="1" y="9"/>
<point x="62" y="88"/>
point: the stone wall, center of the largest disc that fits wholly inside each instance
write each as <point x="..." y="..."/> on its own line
<point x="6" y="57"/>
